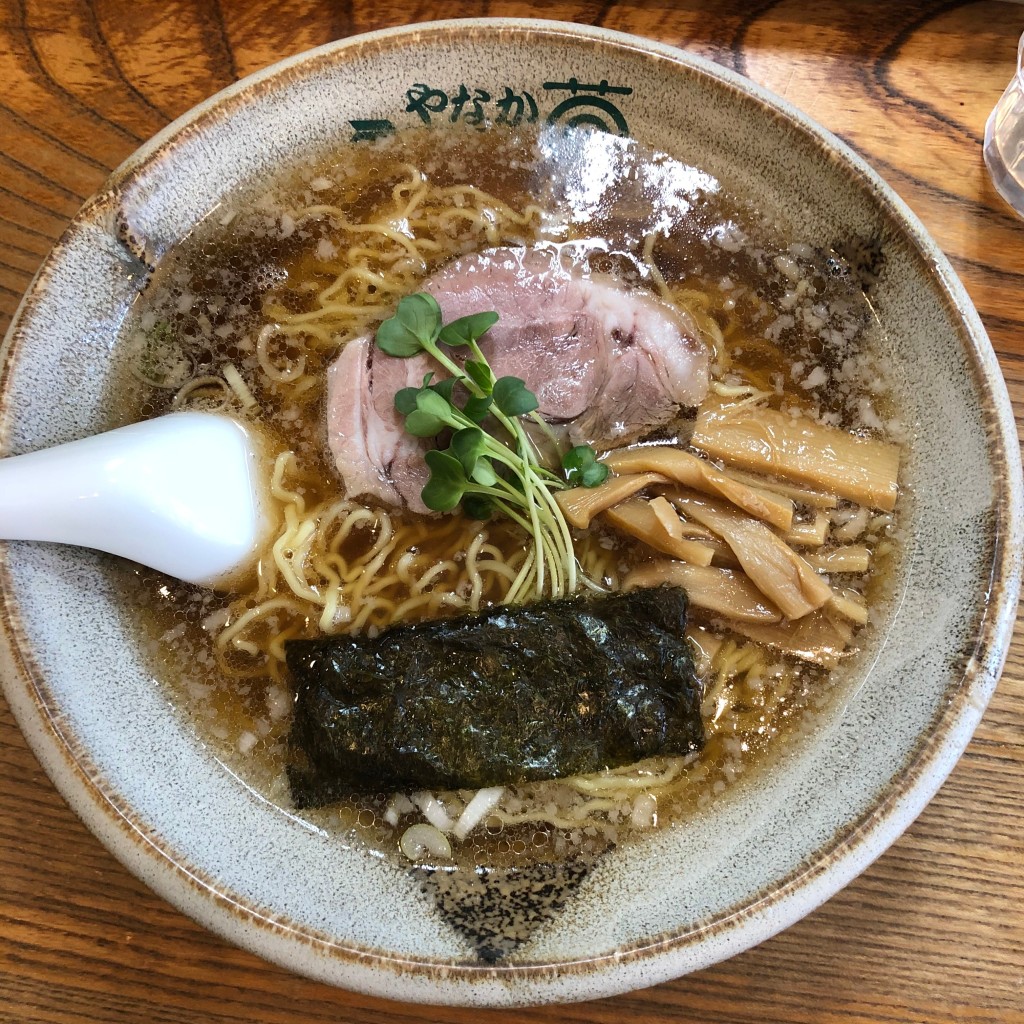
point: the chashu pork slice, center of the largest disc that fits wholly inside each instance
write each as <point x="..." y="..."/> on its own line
<point x="374" y="455"/>
<point x="608" y="362"/>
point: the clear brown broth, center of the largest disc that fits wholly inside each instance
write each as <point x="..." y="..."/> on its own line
<point x="210" y="294"/>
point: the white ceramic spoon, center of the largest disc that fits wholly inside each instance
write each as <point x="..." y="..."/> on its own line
<point x="183" y="493"/>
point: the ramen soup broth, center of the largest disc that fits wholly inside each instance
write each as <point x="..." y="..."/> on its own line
<point x="246" y="314"/>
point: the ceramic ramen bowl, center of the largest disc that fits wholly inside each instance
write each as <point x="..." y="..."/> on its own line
<point x="680" y="898"/>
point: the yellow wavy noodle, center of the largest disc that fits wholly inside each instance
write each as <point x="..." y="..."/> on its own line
<point x="340" y="567"/>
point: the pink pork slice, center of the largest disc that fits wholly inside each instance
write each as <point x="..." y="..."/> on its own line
<point x="609" y="362"/>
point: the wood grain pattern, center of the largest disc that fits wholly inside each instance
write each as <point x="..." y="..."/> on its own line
<point x="934" y="931"/>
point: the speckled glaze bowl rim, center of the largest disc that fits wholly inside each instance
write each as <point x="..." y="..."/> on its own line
<point x="660" y="957"/>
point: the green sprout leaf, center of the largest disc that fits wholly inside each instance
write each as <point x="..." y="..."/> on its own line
<point x="513" y="398"/>
<point x="445" y="388"/>
<point x="415" y="325"/>
<point x="405" y="400"/>
<point x="429" y="412"/>
<point x="421" y="315"/>
<point x="480" y="374"/>
<point x="484" y="473"/>
<point x="433" y="404"/>
<point x="467" y="329"/>
<point x="582" y="468"/>
<point x="468" y="445"/>
<point x="477" y="409"/>
<point x="447" y="481"/>
<point x="394" y="338"/>
<point x="422" y="424"/>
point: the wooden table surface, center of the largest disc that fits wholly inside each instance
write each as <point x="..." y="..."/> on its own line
<point x="934" y="931"/>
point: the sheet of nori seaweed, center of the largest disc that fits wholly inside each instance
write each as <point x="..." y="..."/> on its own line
<point x="511" y="694"/>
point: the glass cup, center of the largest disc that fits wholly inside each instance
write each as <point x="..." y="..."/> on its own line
<point x="1004" y="139"/>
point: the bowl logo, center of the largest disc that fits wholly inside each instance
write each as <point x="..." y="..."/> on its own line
<point x="587" y="105"/>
